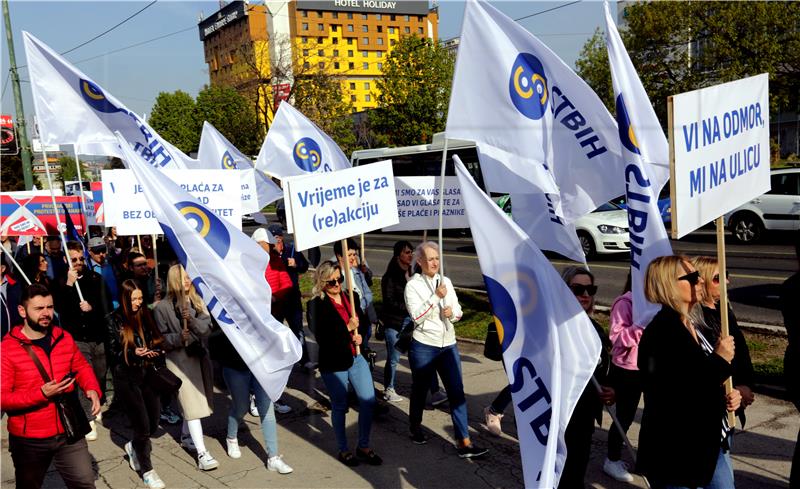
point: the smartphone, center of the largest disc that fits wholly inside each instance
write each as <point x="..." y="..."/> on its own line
<point x="70" y="375"/>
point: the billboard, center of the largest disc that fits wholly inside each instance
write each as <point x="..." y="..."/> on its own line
<point x="24" y="215"/>
<point x="8" y="136"/>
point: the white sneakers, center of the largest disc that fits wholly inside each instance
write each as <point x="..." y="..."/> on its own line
<point x="389" y="395"/>
<point x="617" y="470"/>
<point x="276" y="464"/>
<point x="92" y="435"/>
<point x="152" y="480"/>
<point x="492" y="421"/>
<point x="253" y="408"/>
<point x="188" y="443"/>
<point x="206" y="461"/>
<point x="233" y="448"/>
<point x="282" y="408"/>
<point x="132" y="460"/>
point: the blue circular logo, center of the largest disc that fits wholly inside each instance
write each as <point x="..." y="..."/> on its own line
<point x="503" y="309"/>
<point x="208" y="225"/>
<point x="96" y="98"/>
<point x="527" y="86"/>
<point x="626" y="133"/>
<point x="307" y="155"/>
<point x="227" y="162"/>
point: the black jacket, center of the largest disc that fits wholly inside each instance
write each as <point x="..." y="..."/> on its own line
<point x="393" y="285"/>
<point x="684" y="403"/>
<point x="331" y="333"/>
<point x="115" y="357"/>
<point x="84" y="326"/>
<point x="790" y="292"/>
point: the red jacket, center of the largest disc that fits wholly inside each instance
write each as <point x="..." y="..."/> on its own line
<point x="279" y="282"/>
<point x="30" y="414"/>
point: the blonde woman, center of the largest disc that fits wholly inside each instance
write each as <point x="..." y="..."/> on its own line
<point x="184" y="322"/>
<point x="682" y="438"/>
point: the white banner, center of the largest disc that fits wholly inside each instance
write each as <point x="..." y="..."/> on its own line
<point x="720" y="139"/>
<point x="325" y="209"/>
<point x="126" y="206"/>
<point x="418" y="204"/>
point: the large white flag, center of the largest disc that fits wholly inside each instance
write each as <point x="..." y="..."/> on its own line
<point x="540" y="216"/>
<point x="72" y="109"/>
<point x="549" y="345"/>
<point x="511" y="94"/>
<point x="227" y="269"/>
<point x="296" y="146"/>
<point x="216" y="152"/>
<point x="646" y="154"/>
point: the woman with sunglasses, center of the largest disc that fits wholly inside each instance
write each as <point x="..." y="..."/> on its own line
<point x="340" y="362"/>
<point x="684" y="425"/>
<point x="742" y="365"/>
<point x="589" y="409"/>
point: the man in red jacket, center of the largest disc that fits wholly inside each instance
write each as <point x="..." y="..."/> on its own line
<point x="36" y="435"/>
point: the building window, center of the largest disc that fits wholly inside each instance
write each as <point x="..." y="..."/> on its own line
<point x="407" y="29"/>
<point x="364" y="28"/>
<point x="335" y="15"/>
<point x="319" y="14"/>
<point x="392" y="42"/>
<point x="335" y="28"/>
<point x="380" y="54"/>
<point x="365" y="65"/>
<point x="407" y="18"/>
<point x="351" y="66"/>
<point x="320" y="40"/>
<point x="380" y="41"/>
<point x="304" y="13"/>
<point x="420" y="18"/>
<point x="364" y="54"/>
<point x="393" y="17"/>
<point x="305" y="52"/>
<point x="321" y="52"/>
<point x="306" y="65"/>
<point x="349" y="15"/>
<point x="419" y="30"/>
<point x="320" y="27"/>
<point x="364" y="16"/>
<point x="366" y="85"/>
<point x="380" y="28"/>
<point x="364" y="40"/>
<point x="305" y="40"/>
<point x="349" y="27"/>
<point x="380" y="66"/>
<point x="335" y="40"/>
<point x="335" y="52"/>
<point x="335" y="65"/>
<point x="352" y="98"/>
<point x="305" y="26"/>
<point x="391" y="30"/>
<point x="350" y="53"/>
<point x="378" y="16"/>
<point x="367" y="98"/>
<point x="350" y="41"/>
<point x="321" y="65"/>
<point x="352" y="86"/>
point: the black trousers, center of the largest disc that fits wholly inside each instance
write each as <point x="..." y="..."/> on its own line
<point x="32" y="458"/>
<point x="794" y="477"/>
<point x="628" y="387"/>
<point x="578" y="438"/>
<point x="143" y="407"/>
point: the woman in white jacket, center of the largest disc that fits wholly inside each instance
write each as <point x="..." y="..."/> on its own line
<point x="433" y="306"/>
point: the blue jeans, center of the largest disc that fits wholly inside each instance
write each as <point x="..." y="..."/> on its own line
<point x="392" y="355"/>
<point x="240" y="383"/>
<point x="723" y="475"/>
<point x="425" y="362"/>
<point x="359" y="376"/>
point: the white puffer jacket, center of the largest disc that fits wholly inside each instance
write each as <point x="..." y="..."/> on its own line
<point x="425" y="308"/>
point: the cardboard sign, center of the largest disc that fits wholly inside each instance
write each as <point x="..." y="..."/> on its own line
<point x="25" y="215"/>
<point x="719" y="145"/>
<point x="418" y="204"/>
<point x="125" y="206"/>
<point x="325" y="208"/>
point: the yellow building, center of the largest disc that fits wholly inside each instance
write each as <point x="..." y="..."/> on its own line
<point x="270" y="44"/>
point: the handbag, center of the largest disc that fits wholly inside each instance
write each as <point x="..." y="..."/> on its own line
<point x="195" y="349"/>
<point x="491" y="347"/>
<point x="162" y="380"/>
<point x="68" y="406"/>
<point x="403" y="343"/>
<point x="380" y="331"/>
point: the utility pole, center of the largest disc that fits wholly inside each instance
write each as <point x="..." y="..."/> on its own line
<point x="22" y="131"/>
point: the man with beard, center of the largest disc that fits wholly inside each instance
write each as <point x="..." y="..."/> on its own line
<point x="36" y="435"/>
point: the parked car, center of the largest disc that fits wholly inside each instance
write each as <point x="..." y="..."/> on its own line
<point x="776" y="210"/>
<point x="664" y="205"/>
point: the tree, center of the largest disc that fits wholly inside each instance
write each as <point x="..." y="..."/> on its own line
<point x="11" y="177"/>
<point x="592" y="66"/>
<point x="173" y="117"/>
<point x="68" y="170"/>
<point x="414" y="92"/>
<point x="682" y="46"/>
<point x="115" y="164"/>
<point x="232" y="115"/>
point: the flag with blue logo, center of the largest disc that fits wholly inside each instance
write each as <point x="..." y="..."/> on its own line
<point x="216" y="153"/>
<point x="227" y="269"/>
<point x="550" y="347"/>
<point x="72" y="109"/>
<point x="296" y="146"/>
<point x="646" y="154"/>
<point x="529" y="111"/>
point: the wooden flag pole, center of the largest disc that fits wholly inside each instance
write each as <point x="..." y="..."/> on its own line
<point x="363" y="250"/>
<point x="723" y="302"/>
<point x="41" y="245"/>
<point x="346" y="273"/>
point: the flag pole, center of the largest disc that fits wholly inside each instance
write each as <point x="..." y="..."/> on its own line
<point x="363" y="251"/>
<point x="16" y="265"/>
<point x="28" y="246"/>
<point x="346" y="261"/>
<point x="155" y="252"/>
<point x="723" y="303"/>
<point x="441" y="208"/>
<point x="139" y="244"/>
<point x="41" y="244"/>
<point x="80" y="184"/>
<point x="58" y="219"/>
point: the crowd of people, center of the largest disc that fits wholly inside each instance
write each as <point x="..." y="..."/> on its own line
<point x="109" y="325"/>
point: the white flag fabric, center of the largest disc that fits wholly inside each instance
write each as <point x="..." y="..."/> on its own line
<point x="512" y="93"/>
<point x="540" y="216"/>
<point x="72" y="109"/>
<point x="550" y="346"/>
<point x="227" y="269"/>
<point x="216" y="152"/>
<point x="296" y="146"/>
<point x="646" y="154"/>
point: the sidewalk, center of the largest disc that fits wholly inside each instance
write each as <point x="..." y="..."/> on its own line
<point x="762" y="453"/>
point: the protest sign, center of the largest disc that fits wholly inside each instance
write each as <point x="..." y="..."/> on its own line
<point x="719" y="147"/>
<point x="72" y="188"/>
<point x="26" y="215"/>
<point x="125" y="206"/>
<point x="325" y="209"/>
<point x="418" y="204"/>
<point x="97" y="199"/>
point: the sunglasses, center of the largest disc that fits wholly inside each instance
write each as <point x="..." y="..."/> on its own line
<point x="76" y="260"/>
<point x="578" y="289"/>
<point x="692" y="277"/>
<point x="334" y="282"/>
<point x="715" y="278"/>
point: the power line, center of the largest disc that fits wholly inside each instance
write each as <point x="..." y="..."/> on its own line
<point x="110" y="29"/>
<point x="136" y="44"/>
<point x="548" y="10"/>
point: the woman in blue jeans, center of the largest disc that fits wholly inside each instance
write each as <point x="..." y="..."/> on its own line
<point x="340" y="362"/>
<point x="241" y="382"/>
<point x="393" y="311"/>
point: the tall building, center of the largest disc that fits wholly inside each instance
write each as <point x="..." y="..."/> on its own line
<point x="261" y="49"/>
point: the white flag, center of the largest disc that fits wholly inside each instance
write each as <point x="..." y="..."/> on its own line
<point x="646" y="154"/>
<point x="73" y="109"/>
<point x="227" y="269"/>
<point x="512" y="93"/>
<point x="296" y="146"/>
<point x="550" y="346"/>
<point x="217" y="152"/>
<point x="540" y="216"/>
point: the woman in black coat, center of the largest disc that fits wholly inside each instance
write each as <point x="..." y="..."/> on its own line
<point x="681" y="442"/>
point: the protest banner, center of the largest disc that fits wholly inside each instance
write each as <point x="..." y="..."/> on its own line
<point x="72" y="187"/>
<point x="125" y="206"/>
<point x="26" y="215"/>
<point x="418" y="204"/>
<point x="325" y="209"/>
<point x="97" y="199"/>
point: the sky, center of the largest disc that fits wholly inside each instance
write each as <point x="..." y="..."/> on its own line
<point x="136" y="75"/>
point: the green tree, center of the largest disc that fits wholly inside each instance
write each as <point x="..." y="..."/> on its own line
<point x="69" y="171"/>
<point x="414" y="92"/>
<point x="11" y="177"/>
<point x="320" y="98"/>
<point x="174" y="118"/>
<point x="232" y="114"/>
<point x="592" y="66"/>
<point x="682" y="46"/>
<point x="114" y="164"/>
